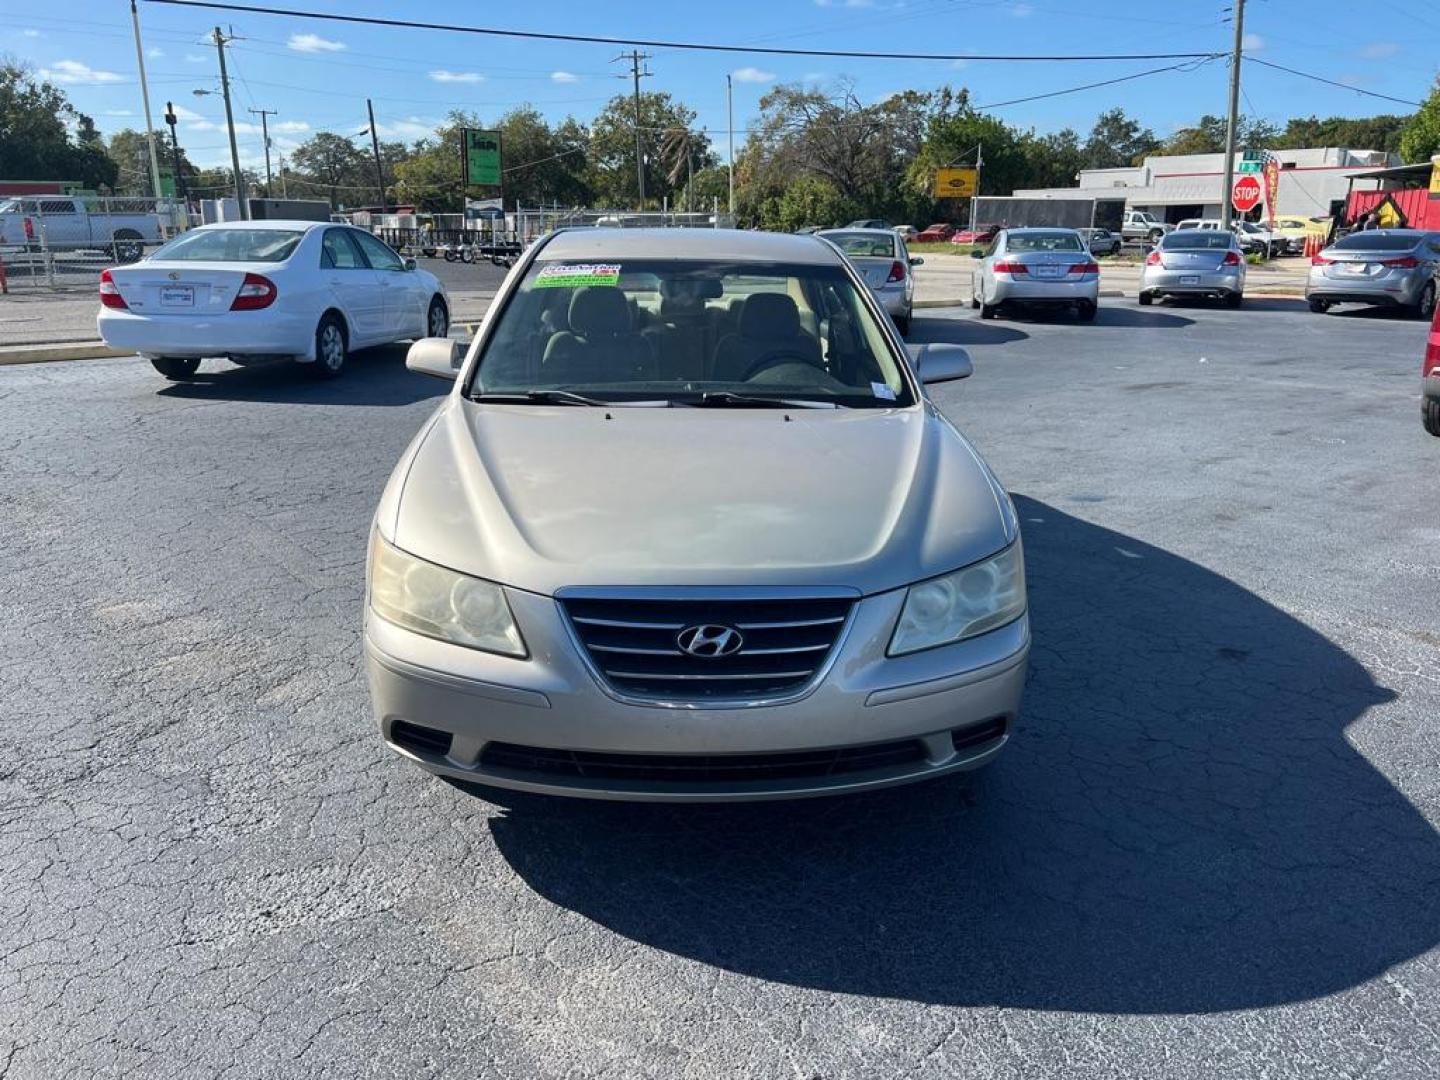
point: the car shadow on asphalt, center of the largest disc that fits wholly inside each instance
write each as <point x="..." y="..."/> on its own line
<point x="1179" y="825"/>
<point x="375" y="376"/>
<point x="930" y="331"/>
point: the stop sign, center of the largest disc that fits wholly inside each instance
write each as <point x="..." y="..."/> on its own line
<point x="1245" y="195"/>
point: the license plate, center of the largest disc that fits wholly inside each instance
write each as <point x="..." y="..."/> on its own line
<point x="1356" y="269"/>
<point x="177" y="296"/>
<point x="1047" y="271"/>
<point x="1190" y="279"/>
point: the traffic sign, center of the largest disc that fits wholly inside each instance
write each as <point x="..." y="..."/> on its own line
<point x="1248" y="166"/>
<point x="1245" y="195"/>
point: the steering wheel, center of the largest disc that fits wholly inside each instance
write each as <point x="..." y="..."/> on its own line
<point x="776" y="359"/>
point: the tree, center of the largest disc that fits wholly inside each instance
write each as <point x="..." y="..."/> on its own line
<point x="612" y="147"/>
<point x="130" y="151"/>
<point x="1053" y="160"/>
<point x="1117" y="140"/>
<point x="1421" y="139"/>
<point x="708" y="189"/>
<point x="1356" y="133"/>
<point x="36" y="142"/>
<point x="336" y="165"/>
<point x="954" y="137"/>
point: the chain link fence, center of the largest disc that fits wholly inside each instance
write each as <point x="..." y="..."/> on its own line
<point x="61" y="243"/>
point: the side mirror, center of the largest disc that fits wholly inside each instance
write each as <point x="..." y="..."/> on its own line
<point x="437" y="356"/>
<point x="940" y="363"/>
<point x="977" y="253"/>
<point x="917" y="260"/>
<point x="409" y="264"/>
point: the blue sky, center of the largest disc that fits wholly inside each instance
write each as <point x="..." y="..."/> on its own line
<point x="317" y="74"/>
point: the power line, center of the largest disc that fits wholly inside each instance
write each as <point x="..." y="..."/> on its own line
<point x="1091" y="86"/>
<point x="1331" y="82"/>
<point x="594" y="39"/>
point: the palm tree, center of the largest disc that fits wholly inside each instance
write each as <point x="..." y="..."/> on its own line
<point x="677" y="150"/>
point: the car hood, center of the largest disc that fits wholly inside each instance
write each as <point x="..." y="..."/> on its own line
<point x="543" y="497"/>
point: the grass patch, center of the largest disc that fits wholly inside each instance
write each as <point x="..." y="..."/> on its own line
<point x="943" y="248"/>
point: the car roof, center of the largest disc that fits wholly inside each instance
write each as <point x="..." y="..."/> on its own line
<point x="1041" y="228"/>
<point x="267" y="224"/>
<point x="733" y="245"/>
<point x="864" y="231"/>
<point x="1199" y="232"/>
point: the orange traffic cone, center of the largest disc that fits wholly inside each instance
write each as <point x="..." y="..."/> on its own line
<point x="4" y="280"/>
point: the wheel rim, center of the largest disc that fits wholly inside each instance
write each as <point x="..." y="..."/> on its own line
<point x="332" y="347"/>
<point x="438" y="327"/>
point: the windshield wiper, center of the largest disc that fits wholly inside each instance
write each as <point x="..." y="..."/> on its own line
<point x="730" y="399"/>
<point x="539" y="397"/>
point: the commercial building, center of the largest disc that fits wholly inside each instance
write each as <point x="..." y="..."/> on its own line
<point x="1313" y="182"/>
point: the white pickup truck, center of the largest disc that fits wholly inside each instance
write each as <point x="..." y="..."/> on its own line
<point x="118" y="227"/>
<point x="1142" y="225"/>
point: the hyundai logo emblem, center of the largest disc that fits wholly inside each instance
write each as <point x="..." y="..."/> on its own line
<point x="710" y="640"/>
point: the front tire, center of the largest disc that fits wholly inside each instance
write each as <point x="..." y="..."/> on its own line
<point x="1145" y="299"/>
<point x="1086" y="309"/>
<point x="331" y="348"/>
<point x="988" y="311"/>
<point x="1425" y="306"/>
<point x="1319" y="307"/>
<point x="437" y="319"/>
<point x="176" y="368"/>
<point x="1430" y="414"/>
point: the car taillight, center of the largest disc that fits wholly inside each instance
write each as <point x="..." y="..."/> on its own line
<point x="1320" y="260"/>
<point x="1432" y="347"/>
<point x="1232" y="258"/>
<point x="255" y="292"/>
<point x="1085" y="268"/>
<point x="1011" y="268"/>
<point x="897" y="271"/>
<point x="1405" y="262"/>
<point x="110" y="292"/>
<point x="1153" y="259"/>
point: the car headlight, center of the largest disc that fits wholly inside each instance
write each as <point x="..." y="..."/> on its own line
<point x="441" y="603"/>
<point x="953" y="607"/>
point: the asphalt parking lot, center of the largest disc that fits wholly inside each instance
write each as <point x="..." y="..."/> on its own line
<point x="1210" y="851"/>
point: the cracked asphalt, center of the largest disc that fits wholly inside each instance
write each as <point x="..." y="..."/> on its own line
<point x="1210" y="852"/>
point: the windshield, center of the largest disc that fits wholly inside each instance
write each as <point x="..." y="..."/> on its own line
<point x="862" y="244"/>
<point x="9" y="206"/>
<point x="1373" y="241"/>
<point x="677" y="331"/>
<point x="1195" y="240"/>
<point x="1043" y="241"/>
<point x="230" y="245"/>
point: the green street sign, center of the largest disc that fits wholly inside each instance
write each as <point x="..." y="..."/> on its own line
<point x="1252" y="155"/>
<point x="1250" y="166"/>
<point x="480" y="151"/>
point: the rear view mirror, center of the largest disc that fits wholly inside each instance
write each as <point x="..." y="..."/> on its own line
<point x="917" y="260"/>
<point x="440" y="357"/>
<point x="940" y="363"/>
<point x="410" y="264"/>
<point x="976" y="253"/>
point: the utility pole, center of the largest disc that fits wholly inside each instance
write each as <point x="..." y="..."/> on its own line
<point x="171" y="119"/>
<point x="145" y="99"/>
<point x="1232" y="122"/>
<point x="637" y="58"/>
<point x="730" y="120"/>
<point x="265" y="115"/>
<point x="375" y="145"/>
<point x="220" y="42"/>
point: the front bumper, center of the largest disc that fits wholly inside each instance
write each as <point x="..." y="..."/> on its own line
<point x="1163" y="282"/>
<point x="246" y="333"/>
<point x="951" y="706"/>
<point x="1036" y="291"/>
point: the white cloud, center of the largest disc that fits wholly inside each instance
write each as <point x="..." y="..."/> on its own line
<point x="195" y="58"/>
<point x="958" y="64"/>
<point x="154" y="53"/>
<point x="186" y="114"/>
<point x="753" y="74"/>
<point x="564" y="77"/>
<point x="412" y="127"/>
<point x="117" y="112"/>
<point x="1252" y="43"/>
<point x="814" y="76"/>
<point x="1379" y="50"/>
<point x="313" y="43"/>
<point x="73" y="73"/>
<point x="290" y="127"/>
<point x="1022" y="11"/>
<point x="30" y="33"/>
<point x="443" y="76"/>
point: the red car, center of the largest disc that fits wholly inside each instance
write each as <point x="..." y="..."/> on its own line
<point x="980" y="234"/>
<point x="1430" y="373"/>
<point x="935" y="234"/>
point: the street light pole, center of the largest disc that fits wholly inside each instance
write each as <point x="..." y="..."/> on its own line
<point x="265" y="115"/>
<point x="244" y="211"/>
<point x="636" y="58"/>
<point x="379" y="168"/>
<point x="1232" y="122"/>
<point x="145" y="100"/>
<point x="730" y="120"/>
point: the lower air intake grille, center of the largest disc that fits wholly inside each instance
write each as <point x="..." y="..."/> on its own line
<point x="757" y="648"/>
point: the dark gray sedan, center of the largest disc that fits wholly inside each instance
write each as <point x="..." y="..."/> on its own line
<point x="1389" y="267"/>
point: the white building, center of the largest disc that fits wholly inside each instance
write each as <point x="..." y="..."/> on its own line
<point x="1190" y="185"/>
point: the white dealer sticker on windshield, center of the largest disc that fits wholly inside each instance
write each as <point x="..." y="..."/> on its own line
<point x="576" y="277"/>
<point x="880" y="390"/>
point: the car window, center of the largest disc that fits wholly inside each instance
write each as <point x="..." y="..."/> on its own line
<point x="338" y="251"/>
<point x="1376" y="241"/>
<point x="1044" y="241"/>
<point x="380" y="255"/>
<point x="673" y="330"/>
<point x="231" y="245"/>
<point x="862" y="244"/>
<point x="1195" y="240"/>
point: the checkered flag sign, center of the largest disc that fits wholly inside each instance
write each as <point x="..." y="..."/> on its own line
<point x="1268" y="166"/>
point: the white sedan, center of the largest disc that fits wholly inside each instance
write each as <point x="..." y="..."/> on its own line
<point x="253" y="290"/>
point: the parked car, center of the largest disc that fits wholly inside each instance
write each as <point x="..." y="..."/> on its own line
<point x="1102" y="241"/>
<point x="254" y="290"/>
<point x="1390" y="267"/>
<point x="808" y="230"/>
<point x="1430" y="378"/>
<point x="1195" y="263"/>
<point x="63" y="223"/>
<point x="1141" y="225"/>
<point x="1253" y="239"/>
<point x="869" y="223"/>
<point x="978" y="234"/>
<point x="1295" y="230"/>
<point x="1042" y="267"/>
<point x="783" y="609"/>
<point x="935" y="234"/>
<point x="907" y="232"/>
<point x="880" y="257"/>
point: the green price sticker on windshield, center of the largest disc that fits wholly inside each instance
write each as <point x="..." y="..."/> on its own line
<point x="564" y="276"/>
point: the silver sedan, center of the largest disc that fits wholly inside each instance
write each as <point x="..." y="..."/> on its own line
<point x="1390" y="267"/>
<point x="1195" y="263"/>
<point x="1045" y="267"/>
<point x="881" y="257"/>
